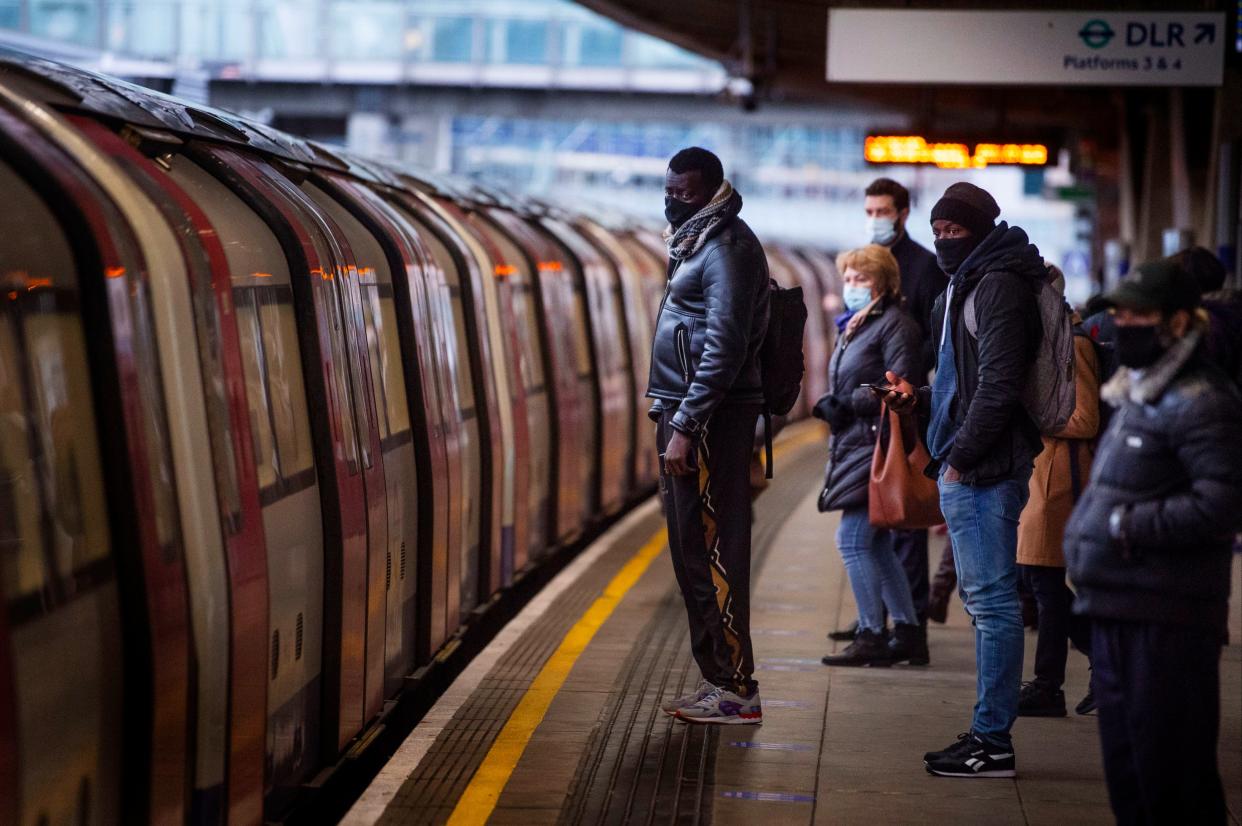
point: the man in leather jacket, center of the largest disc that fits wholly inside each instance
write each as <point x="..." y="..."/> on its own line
<point x="708" y="394"/>
<point x="1148" y="550"/>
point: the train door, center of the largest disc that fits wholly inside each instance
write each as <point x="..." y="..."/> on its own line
<point x="219" y="503"/>
<point x="465" y="279"/>
<point x="261" y="300"/>
<point x="523" y="346"/>
<point x="639" y="331"/>
<point x="506" y="407"/>
<point x="425" y="337"/>
<point x="64" y="636"/>
<point x="60" y="623"/>
<point x="601" y="308"/>
<point x="354" y="599"/>
<point x="552" y="300"/>
<point x="392" y="406"/>
<point x="443" y="571"/>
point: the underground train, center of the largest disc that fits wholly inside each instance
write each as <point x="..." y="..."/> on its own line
<point x="276" y="422"/>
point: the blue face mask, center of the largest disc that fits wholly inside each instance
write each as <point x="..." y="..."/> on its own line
<point x="856" y="298"/>
<point x="882" y="230"/>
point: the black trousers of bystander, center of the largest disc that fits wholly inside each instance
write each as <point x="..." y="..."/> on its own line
<point x="911" y="550"/>
<point x="1058" y="625"/>
<point x="1158" y="689"/>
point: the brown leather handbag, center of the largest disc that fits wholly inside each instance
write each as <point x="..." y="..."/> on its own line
<point x="899" y="495"/>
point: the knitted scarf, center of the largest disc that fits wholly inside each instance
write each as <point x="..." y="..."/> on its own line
<point x="690" y="237"/>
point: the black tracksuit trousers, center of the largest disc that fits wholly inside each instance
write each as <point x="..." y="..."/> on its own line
<point x="708" y="517"/>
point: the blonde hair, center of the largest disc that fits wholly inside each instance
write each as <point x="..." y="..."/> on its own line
<point x="877" y="262"/>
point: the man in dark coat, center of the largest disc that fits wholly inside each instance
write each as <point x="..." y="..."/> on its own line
<point x="1148" y="550"/>
<point x="708" y="394"/>
<point x="982" y="443"/>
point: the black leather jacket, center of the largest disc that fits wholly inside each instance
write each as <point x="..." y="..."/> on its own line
<point x="710" y="328"/>
<point x="1170" y="465"/>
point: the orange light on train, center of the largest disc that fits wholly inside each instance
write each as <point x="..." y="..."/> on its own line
<point x="114" y="272"/>
<point x="505" y="270"/>
<point x="550" y="266"/>
<point x="36" y="283"/>
<point x="913" y="149"/>
<point x="261" y="274"/>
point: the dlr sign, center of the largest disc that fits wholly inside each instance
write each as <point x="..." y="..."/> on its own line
<point x="1156" y="35"/>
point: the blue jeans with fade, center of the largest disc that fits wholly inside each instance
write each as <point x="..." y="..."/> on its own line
<point x="983" y="525"/>
<point x="876" y="577"/>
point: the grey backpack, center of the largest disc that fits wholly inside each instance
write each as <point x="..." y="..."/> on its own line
<point x="1049" y="392"/>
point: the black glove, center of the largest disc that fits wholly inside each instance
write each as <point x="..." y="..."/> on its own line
<point x="839" y="413"/>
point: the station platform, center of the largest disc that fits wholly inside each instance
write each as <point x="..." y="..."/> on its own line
<point x="558" y="721"/>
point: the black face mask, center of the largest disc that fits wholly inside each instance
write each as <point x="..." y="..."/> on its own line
<point x="678" y="212"/>
<point x="951" y="252"/>
<point x="1140" y="346"/>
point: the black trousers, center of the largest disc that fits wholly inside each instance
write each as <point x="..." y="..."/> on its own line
<point x="911" y="550"/>
<point x="1158" y="690"/>
<point x="709" y="539"/>
<point x="1058" y="625"/>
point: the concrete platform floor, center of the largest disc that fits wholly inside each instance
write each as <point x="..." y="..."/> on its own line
<point x="837" y="746"/>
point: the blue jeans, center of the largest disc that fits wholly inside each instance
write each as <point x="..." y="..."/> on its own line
<point x="876" y="577"/>
<point x="983" y="524"/>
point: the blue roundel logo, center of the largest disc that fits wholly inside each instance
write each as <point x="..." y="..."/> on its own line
<point x="1096" y="34"/>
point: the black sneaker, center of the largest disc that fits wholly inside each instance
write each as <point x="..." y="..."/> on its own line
<point x="979" y="760"/>
<point x="962" y="745"/>
<point x="1036" y="699"/>
<point x="1087" y="704"/>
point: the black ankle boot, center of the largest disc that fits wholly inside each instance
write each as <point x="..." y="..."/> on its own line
<point x="845" y="634"/>
<point x="867" y="649"/>
<point x="909" y="644"/>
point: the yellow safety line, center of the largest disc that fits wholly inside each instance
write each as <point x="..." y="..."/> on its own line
<point x="479" y="799"/>
<point x="483" y="792"/>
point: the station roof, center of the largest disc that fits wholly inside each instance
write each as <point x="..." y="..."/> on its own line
<point x="781" y="46"/>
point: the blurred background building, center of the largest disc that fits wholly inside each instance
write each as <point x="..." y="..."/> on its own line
<point x="535" y="96"/>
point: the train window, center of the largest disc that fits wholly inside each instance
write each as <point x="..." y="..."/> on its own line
<point x="53" y="520"/>
<point x="284" y="382"/>
<point x="271" y="357"/>
<point x="370" y="315"/>
<point x="253" y="364"/>
<point x="379" y="314"/>
<point x="443" y="257"/>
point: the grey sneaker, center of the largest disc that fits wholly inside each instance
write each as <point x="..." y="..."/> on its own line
<point x="723" y="707"/>
<point x="671" y="707"/>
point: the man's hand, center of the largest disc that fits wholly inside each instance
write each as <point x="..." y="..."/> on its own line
<point x="952" y="475"/>
<point x="679" y="455"/>
<point x="903" y="397"/>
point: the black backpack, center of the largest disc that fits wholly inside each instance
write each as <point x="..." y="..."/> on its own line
<point x="780" y="357"/>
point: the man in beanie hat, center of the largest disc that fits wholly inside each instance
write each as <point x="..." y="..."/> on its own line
<point x="1148" y="549"/>
<point x="982" y="442"/>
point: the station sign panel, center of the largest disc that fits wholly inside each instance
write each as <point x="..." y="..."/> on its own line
<point x="1022" y="48"/>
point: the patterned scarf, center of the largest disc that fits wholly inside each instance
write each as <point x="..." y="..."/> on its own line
<point x="690" y="237"/>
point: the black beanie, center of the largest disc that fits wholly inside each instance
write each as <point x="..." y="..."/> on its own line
<point x="968" y="205"/>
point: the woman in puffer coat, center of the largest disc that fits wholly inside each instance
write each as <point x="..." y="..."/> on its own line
<point x="1061" y="472"/>
<point x="876" y="334"/>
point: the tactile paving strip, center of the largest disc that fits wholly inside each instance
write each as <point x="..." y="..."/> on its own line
<point x="643" y="767"/>
<point x="432" y="790"/>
